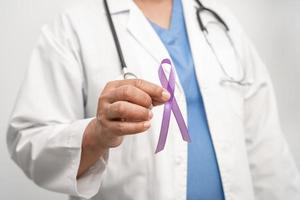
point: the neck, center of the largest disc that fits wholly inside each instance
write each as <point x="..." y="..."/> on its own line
<point x="157" y="11"/>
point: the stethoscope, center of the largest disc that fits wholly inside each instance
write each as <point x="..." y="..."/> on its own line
<point x="201" y="9"/>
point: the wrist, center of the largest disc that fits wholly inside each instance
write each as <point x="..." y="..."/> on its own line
<point x="91" y="138"/>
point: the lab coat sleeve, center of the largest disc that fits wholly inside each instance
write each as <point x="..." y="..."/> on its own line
<point x="46" y="128"/>
<point x="274" y="172"/>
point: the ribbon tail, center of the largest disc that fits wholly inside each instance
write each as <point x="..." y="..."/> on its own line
<point x="180" y="121"/>
<point x="164" y="128"/>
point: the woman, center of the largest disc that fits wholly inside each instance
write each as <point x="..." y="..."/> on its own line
<point x="80" y="130"/>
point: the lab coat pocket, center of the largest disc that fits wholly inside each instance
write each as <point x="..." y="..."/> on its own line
<point x="234" y="96"/>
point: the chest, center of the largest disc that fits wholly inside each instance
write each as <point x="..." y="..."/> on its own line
<point x="143" y="51"/>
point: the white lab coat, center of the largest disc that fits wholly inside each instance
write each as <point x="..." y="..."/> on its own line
<point x="73" y="60"/>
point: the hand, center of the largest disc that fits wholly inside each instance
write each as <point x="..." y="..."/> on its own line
<point x="124" y="108"/>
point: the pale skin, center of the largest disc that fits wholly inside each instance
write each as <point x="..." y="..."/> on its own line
<point x="124" y="107"/>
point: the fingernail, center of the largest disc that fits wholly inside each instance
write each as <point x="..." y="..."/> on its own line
<point x="151" y="106"/>
<point x="166" y="95"/>
<point x="147" y="124"/>
<point x="150" y="114"/>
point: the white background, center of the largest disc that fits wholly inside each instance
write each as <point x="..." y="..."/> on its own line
<point x="273" y="26"/>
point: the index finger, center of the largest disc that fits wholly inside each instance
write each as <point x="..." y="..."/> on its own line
<point x="157" y="93"/>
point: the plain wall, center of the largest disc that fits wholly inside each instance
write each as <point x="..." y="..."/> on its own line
<point x="271" y="24"/>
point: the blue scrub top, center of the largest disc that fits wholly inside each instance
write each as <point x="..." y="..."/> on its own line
<point x="203" y="180"/>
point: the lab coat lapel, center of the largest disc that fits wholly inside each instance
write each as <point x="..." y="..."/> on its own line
<point x="208" y="75"/>
<point x="206" y="65"/>
<point x="141" y="30"/>
<point x="117" y="6"/>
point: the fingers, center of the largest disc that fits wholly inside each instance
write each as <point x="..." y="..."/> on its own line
<point x="131" y="94"/>
<point x="128" y="112"/>
<point x="124" y="107"/>
<point x="158" y="94"/>
<point x="119" y="128"/>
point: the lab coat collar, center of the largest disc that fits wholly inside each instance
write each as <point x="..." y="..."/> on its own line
<point x="209" y="75"/>
<point x="206" y="66"/>
<point x="140" y="28"/>
<point x="117" y="6"/>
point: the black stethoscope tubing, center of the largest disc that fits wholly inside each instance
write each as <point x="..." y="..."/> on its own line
<point x="201" y="8"/>
<point x="116" y="39"/>
<point x="115" y="36"/>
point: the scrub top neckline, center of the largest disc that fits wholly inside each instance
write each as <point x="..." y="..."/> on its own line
<point x="170" y="34"/>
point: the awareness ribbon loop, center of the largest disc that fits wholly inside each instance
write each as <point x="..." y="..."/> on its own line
<point x="171" y="105"/>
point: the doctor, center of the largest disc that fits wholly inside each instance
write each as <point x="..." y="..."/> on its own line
<point x="78" y="128"/>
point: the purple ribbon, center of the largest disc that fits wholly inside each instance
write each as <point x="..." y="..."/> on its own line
<point x="171" y="105"/>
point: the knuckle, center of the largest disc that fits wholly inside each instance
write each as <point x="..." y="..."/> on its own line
<point x="126" y="91"/>
<point x="101" y="117"/>
<point x="120" y="108"/>
<point x="148" y="101"/>
<point x="101" y="109"/>
<point x="120" y="128"/>
<point x="139" y="83"/>
<point x="110" y="83"/>
<point x="101" y="98"/>
<point x="147" y="113"/>
<point x="144" y="114"/>
<point x="104" y="96"/>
